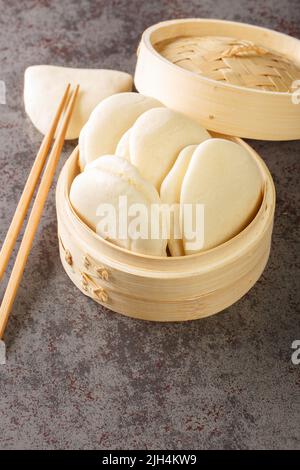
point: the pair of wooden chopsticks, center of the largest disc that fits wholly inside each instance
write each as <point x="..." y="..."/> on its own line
<point x="38" y="205"/>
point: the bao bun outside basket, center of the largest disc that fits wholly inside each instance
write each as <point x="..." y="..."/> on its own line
<point x="219" y="106"/>
<point x="163" y="289"/>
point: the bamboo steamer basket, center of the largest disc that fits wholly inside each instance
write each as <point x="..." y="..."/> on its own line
<point x="163" y="289"/>
<point x="216" y="88"/>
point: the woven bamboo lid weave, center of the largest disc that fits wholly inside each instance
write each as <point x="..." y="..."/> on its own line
<point x="233" y="78"/>
<point x="234" y="61"/>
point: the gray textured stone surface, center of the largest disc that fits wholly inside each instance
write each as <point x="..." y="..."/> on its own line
<point x="79" y="376"/>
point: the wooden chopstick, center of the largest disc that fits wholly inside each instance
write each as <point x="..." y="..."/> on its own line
<point x="34" y="218"/>
<point x="26" y="197"/>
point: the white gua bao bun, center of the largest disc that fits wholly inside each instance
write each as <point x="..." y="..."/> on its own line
<point x="154" y="149"/>
<point x="123" y="147"/>
<point x="44" y="86"/>
<point x="102" y="182"/>
<point x="170" y="191"/>
<point x="222" y="176"/>
<point x="109" y="122"/>
<point x="157" y="137"/>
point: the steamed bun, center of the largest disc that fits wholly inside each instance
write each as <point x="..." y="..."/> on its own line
<point x="133" y="146"/>
<point x="108" y="123"/>
<point x="123" y="147"/>
<point x="103" y="182"/>
<point x="222" y="176"/>
<point x="170" y="194"/>
<point x="156" y="139"/>
<point x="44" y="86"/>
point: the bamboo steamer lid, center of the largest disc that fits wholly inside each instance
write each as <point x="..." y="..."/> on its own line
<point x="233" y="78"/>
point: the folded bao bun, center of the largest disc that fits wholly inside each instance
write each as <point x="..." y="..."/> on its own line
<point x="44" y="86"/>
<point x="226" y="180"/>
<point x="170" y="194"/>
<point x="133" y="146"/>
<point x="103" y="182"/>
<point x="123" y="147"/>
<point x="108" y="123"/>
<point x="156" y="139"/>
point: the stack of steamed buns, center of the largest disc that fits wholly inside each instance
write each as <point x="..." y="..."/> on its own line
<point x="133" y="146"/>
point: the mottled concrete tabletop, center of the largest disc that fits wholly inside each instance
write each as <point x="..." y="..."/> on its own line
<point x="80" y="376"/>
